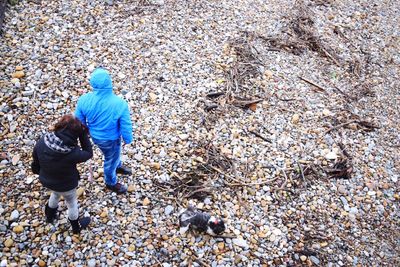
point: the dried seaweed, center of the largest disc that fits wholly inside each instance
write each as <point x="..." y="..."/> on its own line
<point x="243" y="69"/>
<point x="301" y="36"/>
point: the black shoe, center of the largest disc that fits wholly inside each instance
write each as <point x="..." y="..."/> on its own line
<point x="118" y="188"/>
<point x="79" y="224"/>
<point x="51" y="213"/>
<point x="124" y="170"/>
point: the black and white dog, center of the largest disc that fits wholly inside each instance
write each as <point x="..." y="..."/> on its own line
<point x="203" y="222"/>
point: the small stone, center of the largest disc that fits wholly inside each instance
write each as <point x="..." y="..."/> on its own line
<point x="303" y="258"/>
<point x="221" y="245"/>
<point x="18" y="68"/>
<point x="41" y="263"/>
<point x="152" y="97"/>
<point x="38" y="74"/>
<point x="3" y="263"/>
<point x="272" y="238"/>
<point x="277" y="232"/>
<point x="353" y="126"/>
<point x="156" y="165"/>
<point x="57" y="262"/>
<point x="8" y="243"/>
<point x="171" y="249"/>
<point x="91" y="263"/>
<point x="28" y="93"/>
<point x="240" y="242"/>
<point x="342" y="189"/>
<point x="13" y="127"/>
<point x="121" y="75"/>
<point x="315" y="260"/>
<point x="164" y="251"/>
<point x="18" y="74"/>
<point x="131" y="188"/>
<point x="268" y="74"/>
<point x="15" y="159"/>
<point x="168" y="210"/>
<point x="80" y="191"/>
<point x="18" y="229"/>
<point x="183" y="136"/>
<point x="326" y="112"/>
<point x="131" y="248"/>
<point x="146" y="202"/>
<point x="14" y="81"/>
<point x="29" y="179"/>
<point x="295" y="118"/>
<point x="14" y="215"/>
<point x="331" y="155"/>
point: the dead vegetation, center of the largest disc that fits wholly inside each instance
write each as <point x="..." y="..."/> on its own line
<point x="202" y="179"/>
<point x="240" y="90"/>
<point x="243" y="68"/>
<point x="301" y="35"/>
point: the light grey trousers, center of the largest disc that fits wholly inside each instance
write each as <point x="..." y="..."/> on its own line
<point x="70" y="199"/>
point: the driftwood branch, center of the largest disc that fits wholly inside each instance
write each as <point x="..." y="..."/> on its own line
<point x="260" y="136"/>
<point x="365" y="124"/>
<point x="215" y="94"/>
<point x="237" y="182"/>
<point x="339" y="126"/>
<point x="302" y="173"/>
<point x="319" y="87"/>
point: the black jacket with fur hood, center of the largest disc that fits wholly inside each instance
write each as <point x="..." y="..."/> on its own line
<point x="55" y="156"/>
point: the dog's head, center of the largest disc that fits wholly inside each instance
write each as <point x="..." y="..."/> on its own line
<point x="216" y="225"/>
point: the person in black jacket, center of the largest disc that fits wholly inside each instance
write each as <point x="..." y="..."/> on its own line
<point x="55" y="157"/>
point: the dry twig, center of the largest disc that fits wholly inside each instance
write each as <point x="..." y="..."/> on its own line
<point x="320" y="88"/>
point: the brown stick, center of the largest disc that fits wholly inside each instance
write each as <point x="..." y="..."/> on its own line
<point x="321" y="89"/>
<point x="238" y="183"/>
<point x="260" y="136"/>
<point x="339" y="125"/>
<point x="215" y="94"/>
<point x="211" y="107"/>
<point x="330" y="56"/>
<point x="245" y="103"/>
<point x="348" y="98"/>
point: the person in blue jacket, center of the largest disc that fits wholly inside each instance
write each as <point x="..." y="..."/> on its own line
<point x="107" y="117"/>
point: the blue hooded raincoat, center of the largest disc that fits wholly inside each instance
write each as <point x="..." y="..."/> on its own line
<point x="106" y="115"/>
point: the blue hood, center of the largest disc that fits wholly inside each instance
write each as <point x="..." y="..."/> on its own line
<point x="101" y="81"/>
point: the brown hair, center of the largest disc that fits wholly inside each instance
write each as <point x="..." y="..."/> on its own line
<point x="71" y="123"/>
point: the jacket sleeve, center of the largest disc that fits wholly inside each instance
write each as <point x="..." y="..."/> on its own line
<point x="125" y="124"/>
<point x="35" y="166"/>
<point x="79" y="113"/>
<point x="86" y="152"/>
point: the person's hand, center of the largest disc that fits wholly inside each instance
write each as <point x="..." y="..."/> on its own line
<point x="85" y="129"/>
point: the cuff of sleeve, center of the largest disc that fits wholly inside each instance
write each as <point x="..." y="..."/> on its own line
<point x="128" y="141"/>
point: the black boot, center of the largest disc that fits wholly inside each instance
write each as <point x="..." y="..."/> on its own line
<point x="124" y="170"/>
<point x="79" y="224"/>
<point x="51" y="213"/>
